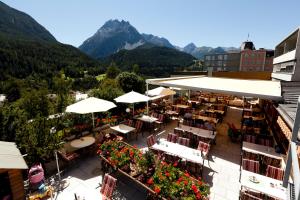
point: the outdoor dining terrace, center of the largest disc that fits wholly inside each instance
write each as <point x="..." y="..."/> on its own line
<point x="223" y="148"/>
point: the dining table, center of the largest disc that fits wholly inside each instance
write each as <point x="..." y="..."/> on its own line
<point x="179" y="150"/>
<point x="263" y="184"/>
<point x="83" y="142"/>
<point x="123" y="129"/>
<point x="215" y="111"/>
<point x="205" y="118"/>
<point x="261" y="149"/>
<point x="182" y="106"/>
<point x="199" y="131"/>
<point x="147" y="118"/>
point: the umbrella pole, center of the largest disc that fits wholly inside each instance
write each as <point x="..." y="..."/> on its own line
<point x="93" y="120"/>
<point x="133" y="110"/>
<point x="147" y="88"/>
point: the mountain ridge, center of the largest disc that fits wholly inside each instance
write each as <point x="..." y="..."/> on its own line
<point x="116" y="35"/>
<point x="17" y="24"/>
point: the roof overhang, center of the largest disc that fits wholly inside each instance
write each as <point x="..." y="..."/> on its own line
<point x="10" y="156"/>
<point x="238" y="87"/>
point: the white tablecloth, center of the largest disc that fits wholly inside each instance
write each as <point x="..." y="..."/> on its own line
<point x="261" y="149"/>
<point x="122" y="128"/>
<point x="147" y="118"/>
<point x="264" y="185"/>
<point x="199" y="131"/>
<point x="83" y="142"/>
<point x="181" y="106"/>
<point x="179" y="150"/>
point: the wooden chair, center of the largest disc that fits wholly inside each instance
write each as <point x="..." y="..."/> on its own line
<point x="130" y="122"/>
<point x="138" y="128"/>
<point x="160" y="120"/>
<point x="274" y="172"/>
<point x="265" y="142"/>
<point x="250" y="165"/>
<point x="204" y="148"/>
<point x="194" y="168"/>
<point x="183" y="141"/>
<point x="248" y="195"/>
<point x="172" y="137"/>
<point x="108" y="186"/>
<point x="250" y="138"/>
<point x="69" y="158"/>
<point x="179" y="132"/>
<point x="150" y="140"/>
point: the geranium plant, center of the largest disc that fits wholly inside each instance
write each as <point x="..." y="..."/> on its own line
<point x="166" y="180"/>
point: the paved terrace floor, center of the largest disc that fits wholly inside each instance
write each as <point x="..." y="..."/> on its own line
<point x="221" y="172"/>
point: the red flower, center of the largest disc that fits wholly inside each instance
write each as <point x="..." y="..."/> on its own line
<point x="194" y="188"/>
<point x="180" y="179"/>
<point x="164" y="163"/>
<point x="185" y="182"/>
<point x="198" y="195"/>
<point x="131" y="153"/>
<point x="157" y="189"/>
<point x="187" y="174"/>
<point x="175" y="164"/>
<point x="150" y="181"/>
<point x="167" y="174"/>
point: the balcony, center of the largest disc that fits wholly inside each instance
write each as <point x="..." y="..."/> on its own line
<point x="289" y="56"/>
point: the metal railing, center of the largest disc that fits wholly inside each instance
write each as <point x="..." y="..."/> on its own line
<point x="292" y="160"/>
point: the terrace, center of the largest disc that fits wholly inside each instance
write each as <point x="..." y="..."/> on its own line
<point x="223" y="171"/>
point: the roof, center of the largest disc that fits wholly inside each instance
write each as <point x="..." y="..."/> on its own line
<point x="239" y="87"/>
<point x="10" y="156"/>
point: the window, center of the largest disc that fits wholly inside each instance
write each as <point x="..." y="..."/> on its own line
<point x="246" y="55"/>
<point x="225" y="57"/>
<point x="220" y="57"/>
<point x="207" y="58"/>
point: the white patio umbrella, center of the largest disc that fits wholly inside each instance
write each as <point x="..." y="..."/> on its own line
<point x="132" y="97"/>
<point x="90" y="105"/>
<point x="160" y="91"/>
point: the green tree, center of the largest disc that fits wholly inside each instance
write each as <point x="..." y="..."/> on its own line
<point x="35" y="103"/>
<point x="108" y="90"/>
<point x="112" y="71"/>
<point x="11" y="118"/>
<point x="37" y="140"/>
<point x="130" y="81"/>
<point x="61" y="86"/>
<point x="136" y="69"/>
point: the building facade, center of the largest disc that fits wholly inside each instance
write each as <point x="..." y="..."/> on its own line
<point x="256" y="60"/>
<point x="247" y="59"/>
<point x="223" y="61"/>
<point x="286" y="61"/>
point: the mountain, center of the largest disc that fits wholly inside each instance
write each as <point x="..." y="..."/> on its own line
<point x="199" y="52"/>
<point x="16" y="24"/>
<point x="115" y="35"/>
<point x="190" y="48"/>
<point x="159" y="41"/>
<point x="153" y="60"/>
<point x="27" y="48"/>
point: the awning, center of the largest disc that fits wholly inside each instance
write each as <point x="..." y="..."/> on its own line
<point x="239" y="87"/>
<point x="10" y="156"/>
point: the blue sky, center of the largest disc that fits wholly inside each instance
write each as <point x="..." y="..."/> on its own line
<point x="206" y="23"/>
